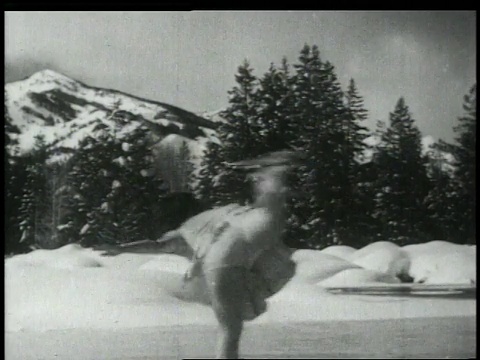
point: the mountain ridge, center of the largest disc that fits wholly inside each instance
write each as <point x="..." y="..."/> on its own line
<point x="64" y="110"/>
<point x="204" y="122"/>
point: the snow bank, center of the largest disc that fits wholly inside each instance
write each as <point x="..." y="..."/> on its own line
<point x="441" y="262"/>
<point x="341" y="251"/>
<point x="356" y="277"/>
<point x="123" y="293"/>
<point x="435" y="247"/>
<point x="71" y="257"/>
<point x="74" y="287"/>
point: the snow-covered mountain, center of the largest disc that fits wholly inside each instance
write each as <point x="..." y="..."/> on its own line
<point x="65" y="110"/>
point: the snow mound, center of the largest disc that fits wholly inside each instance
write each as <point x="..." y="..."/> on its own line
<point x="314" y="266"/>
<point x="357" y="277"/>
<point x="370" y="248"/>
<point x="434" y="247"/>
<point x="304" y="255"/>
<point x="390" y="260"/>
<point x="116" y="295"/>
<point x="441" y="262"/>
<point x="69" y="257"/>
<point x="341" y="251"/>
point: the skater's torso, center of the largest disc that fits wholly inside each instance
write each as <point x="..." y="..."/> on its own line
<point x="233" y="235"/>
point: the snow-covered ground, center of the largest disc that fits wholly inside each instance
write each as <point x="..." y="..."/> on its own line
<point x="73" y="289"/>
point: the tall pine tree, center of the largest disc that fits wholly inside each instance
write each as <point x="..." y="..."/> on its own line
<point x="441" y="201"/>
<point x="330" y="137"/>
<point x="14" y="181"/>
<point x="33" y="199"/>
<point x="402" y="182"/>
<point x="464" y="153"/>
<point x="275" y="105"/>
<point x="306" y="114"/>
<point x="356" y="221"/>
<point x="239" y="138"/>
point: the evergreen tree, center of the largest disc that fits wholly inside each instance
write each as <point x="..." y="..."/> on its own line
<point x="464" y="153"/>
<point x="90" y="179"/>
<point x="113" y="200"/>
<point x="33" y="198"/>
<point x="356" y="114"/>
<point x="441" y="201"/>
<point x="356" y="222"/>
<point x="14" y="181"/>
<point x="402" y="182"/>
<point x="174" y="159"/>
<point x="306" y="114"/>
<point x="328" y="136"/>
<point x="239" y="137"/>
<point x="275" y="105"/>
<point x="185" y="168"/>
<point x="135" y="202"/>
<point x="207" y="178"/>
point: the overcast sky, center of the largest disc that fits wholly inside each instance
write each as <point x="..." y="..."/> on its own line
<point x="189" y="59"/>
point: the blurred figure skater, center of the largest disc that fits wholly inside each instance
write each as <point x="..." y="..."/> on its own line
<point x="239" y="250"/>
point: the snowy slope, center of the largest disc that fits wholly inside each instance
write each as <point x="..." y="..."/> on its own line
<point x="64" y="111"/>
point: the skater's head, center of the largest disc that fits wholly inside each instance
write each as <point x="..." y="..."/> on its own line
<point x="268" y="174"/>
<point x="286" y="159"/>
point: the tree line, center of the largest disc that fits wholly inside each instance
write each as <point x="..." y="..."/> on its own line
<point x="345" y="192"/>
<point x="340" y="195"/>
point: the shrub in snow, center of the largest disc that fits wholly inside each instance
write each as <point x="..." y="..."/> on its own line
<point x="359" y="277"/>
<point x="314" y="266"/>
<point x="341" y="251"/>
